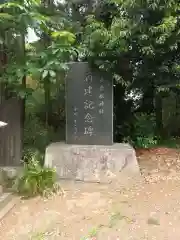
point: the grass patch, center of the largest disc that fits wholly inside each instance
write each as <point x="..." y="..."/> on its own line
<point x="36" y="180"/>
<point x="92" y="233"/>
<point x="170" y="143"/>
<point x="115" y="218"/>
<point x="37" y="236"/>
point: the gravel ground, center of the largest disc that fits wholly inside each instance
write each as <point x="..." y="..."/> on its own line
<point x="147" y="211"/>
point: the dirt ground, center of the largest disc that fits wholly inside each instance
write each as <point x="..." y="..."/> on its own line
<point x="150" y="210"/>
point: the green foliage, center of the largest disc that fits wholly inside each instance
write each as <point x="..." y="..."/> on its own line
<point x="42" y="60"/>
<point x="140" y="46"/>
<point x="140" y="33"/>
<point x="143" y="135"/>
<point x="66" y="37"/>
<point x="145" y="142"/>
<point x="144" y="125"/>
<point x="35" y="179"/>
<point x="36" y="134"/>
<point x="137" y="41"/>
<point x="170" y="142"/>
<point x="51" y="61"/>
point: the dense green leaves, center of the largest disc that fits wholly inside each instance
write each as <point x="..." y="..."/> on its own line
<point x="145" y="34"/>
<point x="137" y="41"/>
<point x="35" y="180"/>
<point x="36" y="59"/>
<point x="67" y="37"/>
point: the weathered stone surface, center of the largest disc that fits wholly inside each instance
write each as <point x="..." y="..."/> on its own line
<point x="10" y="172"/>
<point x="93" y="163"/>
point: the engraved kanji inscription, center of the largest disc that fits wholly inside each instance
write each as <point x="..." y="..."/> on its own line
<point x="101" y="111"/>
<point x="101" y="104"/>
<point x="88" y="79"/>
<point x="88" y="131"/>
<point x="88" y="118"/>
<point x="101" y="96"/>
<point x="88" y="91"/>
<point x="75" y="111"/>
<point x="101" y="88"/>
<point x="101" y="80"/>
<point x="89" y="105"/>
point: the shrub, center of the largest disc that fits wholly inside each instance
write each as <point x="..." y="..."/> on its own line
<point x="145" y="131"/>
<point x="145" y="142"/>
<point x="30" y="153"/>
<point x="143" y="135"/>
<point x="35" y="179"/>
<point x="144" y="125"/>
<point x="36" y="135"/>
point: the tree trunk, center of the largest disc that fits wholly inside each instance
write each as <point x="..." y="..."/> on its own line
<point x="47" y="83"/>
<point x="23" y="53"/>
<point x="147" y="105"/>
<point x="158" y="116"/>
<point x="47" y="99"/>
<point x="3" y="64"/>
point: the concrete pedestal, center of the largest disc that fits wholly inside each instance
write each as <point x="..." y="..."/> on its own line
<point x="93" y="163"/>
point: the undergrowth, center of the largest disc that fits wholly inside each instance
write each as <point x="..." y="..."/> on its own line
<point x="35" y="179"/>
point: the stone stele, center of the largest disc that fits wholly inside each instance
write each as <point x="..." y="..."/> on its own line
<point x="93" y="163"/>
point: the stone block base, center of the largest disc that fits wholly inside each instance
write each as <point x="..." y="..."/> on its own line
<point x="90" y="163"/>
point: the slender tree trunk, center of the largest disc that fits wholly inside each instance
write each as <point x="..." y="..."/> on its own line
<point x="90" y="6"/>
<point x="23" y="53"/>
<point x="47" y="88"/>
<point x="23" y="110"/>
<point x="3" y="64"/>
<point x="147" y="101"/>
<point x="22" y="61"/>
<point x="158" y="115"/>
<point x="47" y="99"/>
<point x="47" y="83"/>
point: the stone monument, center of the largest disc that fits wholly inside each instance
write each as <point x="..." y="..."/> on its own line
<point x="89" y="153"/>
<point x="89" y="106"/>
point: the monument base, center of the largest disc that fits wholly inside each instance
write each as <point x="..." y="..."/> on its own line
<point x="92" y="163"/>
